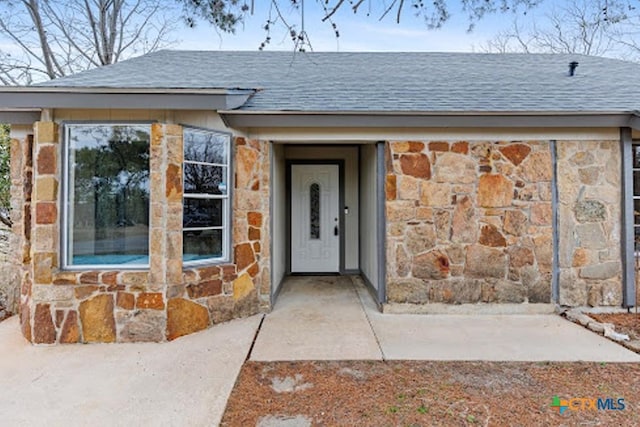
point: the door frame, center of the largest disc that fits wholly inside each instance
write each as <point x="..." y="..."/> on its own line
<point x="341" y="216"/>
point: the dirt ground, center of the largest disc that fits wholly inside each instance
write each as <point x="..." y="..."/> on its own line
<point x="626" y="323"/>
<point x="412" y="393"/>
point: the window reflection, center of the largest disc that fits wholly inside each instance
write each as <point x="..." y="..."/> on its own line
<point x="108" y="194"/>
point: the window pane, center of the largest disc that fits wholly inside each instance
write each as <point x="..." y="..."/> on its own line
<point x="636" y="183"/>
<point x="202" y="213"/>
<point x="314" y="209"/>
<point x="636" y="156"/>
<point x="202" y="244"/>
<point x="636" y="231"/>
<point x="636" y="212"/>
<point x="207" y="147"/>
<point x="203" y="179"/>
<point x="108" y="198"/>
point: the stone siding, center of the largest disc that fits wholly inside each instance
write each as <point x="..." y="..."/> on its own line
<point x="469" y="222"/>
<point x="589" y="192"/>
<point x="164" y="302"/>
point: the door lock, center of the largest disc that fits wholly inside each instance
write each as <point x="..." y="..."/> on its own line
<point x="335" y="230"/>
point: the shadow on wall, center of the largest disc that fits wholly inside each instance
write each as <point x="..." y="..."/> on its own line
<point x="9" y="291"/>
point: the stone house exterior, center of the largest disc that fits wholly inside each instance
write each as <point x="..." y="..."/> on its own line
<point x="171" y="192"/>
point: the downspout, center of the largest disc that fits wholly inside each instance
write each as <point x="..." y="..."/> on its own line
<point x="627" y="236"/>
<point x="381" y="174"/>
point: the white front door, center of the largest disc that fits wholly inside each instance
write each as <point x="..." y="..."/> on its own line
<point x="315" y="219"/>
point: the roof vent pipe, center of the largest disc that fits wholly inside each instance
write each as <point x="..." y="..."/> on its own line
<point x="572" y="68"/>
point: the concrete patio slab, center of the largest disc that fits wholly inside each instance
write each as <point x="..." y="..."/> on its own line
<point x="184" y="382"/>
<point x="517" y="337"/>
<point x="316" y="318"/>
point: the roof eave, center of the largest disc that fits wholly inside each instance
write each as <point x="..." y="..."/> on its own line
<point x="125" y="98"/>
<point x="440" y="119"/>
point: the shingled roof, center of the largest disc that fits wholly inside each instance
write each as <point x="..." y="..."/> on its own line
<point x="384" y="82"/>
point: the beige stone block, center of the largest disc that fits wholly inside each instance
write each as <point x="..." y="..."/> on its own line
<point x="434" y="194"/>
<point x="400" y="210"/>
<point x="173" y="130"/>
<point x="175" y="153"/>
<point x="174" y="246"/>
<point x="541" y="214"/>
<point x="242" y="286"/>
<point x="408" y="188"/>
<point x="157" y="134"/>
<point x="45" y="238"/>
<point x="455" y="168"/>
<point x="45" y="293"/>
<point x="46" y="189"/>
<point x="46" y="132"/>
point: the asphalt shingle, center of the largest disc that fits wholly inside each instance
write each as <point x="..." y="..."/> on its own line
<point x="390" y="81"/>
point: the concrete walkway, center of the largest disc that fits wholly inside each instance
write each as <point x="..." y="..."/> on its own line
<point x="334" y="318"/>
<point x="184" y="382"/>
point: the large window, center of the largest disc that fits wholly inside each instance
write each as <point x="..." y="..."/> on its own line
<point x="206" y="196"/>
<point x="106" y="204"/>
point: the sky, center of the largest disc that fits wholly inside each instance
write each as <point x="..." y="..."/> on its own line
<point x="358" y="32"/>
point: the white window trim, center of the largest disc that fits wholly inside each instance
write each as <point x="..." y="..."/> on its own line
<point x="226" y="202"/>
<point x="67" y="214"/>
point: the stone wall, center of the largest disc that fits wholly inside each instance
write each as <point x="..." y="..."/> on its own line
<point x="469" y="222"/>
<point x="164" y="302"/>
<point x="589" y="191"/>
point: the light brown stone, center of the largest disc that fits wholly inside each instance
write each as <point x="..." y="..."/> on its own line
<point x="254" y="219"/>
<point x="442" y="221"/>
<point x="220" y="308"/>
<point x="438" y="146"/>
<point x="205" y="289"/>
<point x="589" y="176"/>
<point x="44" y="331"/>
<point x="174" y="183"/>
<point x="47" y="162"/>
<point x="46" y="213"/>
<point x="515" y="153"/>
<point x="125" y="300"/>
<point x="420" y="238"/>
<point x="434" y="194"/>
<point x="96" y="317"/>
<point x="46" y="132"/>
<point x="209" y="273"/>
<point x="46" y="189"/>
<point x="245" y="164"/>
<point x="537" y="167"/>
<point x="403" y="262"/>
<point x="463" y="226"/>
<point x="515" y="222"/>
<point x="454" y="168"/>
<point x="185" y="317"/>
<point x="82" y="292"/>
<point x="254" y="233"/>
<point x="520" y="256"/>
<point x="461" y="147"/>
<point x="541" y="214"/>
<point x="494" y="191"/>
<point x="407" y="147"/>
<point x="490" y="236"/>
<point x="457" y="291"/>
<point x="89" y="278"/>
<point x="582" y="158"/>
<point x="143" y="326"/>
<point x="410" y="290"/>
<point x="242" y="286"/>
<point x="70" y="330"/>
<point x="150" y="300"/>
<point x="408" y="188"/>
<point x="243" y="255"/>
<point x="432" y="265"/>
<point x="134" y="279"/>
<point x="543" y="247"/>
<point x="43" y="263"/>
<point x="580" y="257"/>
<point x="390" y="187"/>
<point x="416" y="165"/>
<point x="484" y="262"/>
<point x="400" y="210"/>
